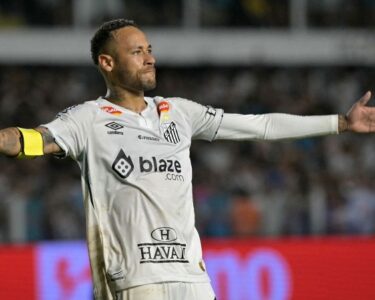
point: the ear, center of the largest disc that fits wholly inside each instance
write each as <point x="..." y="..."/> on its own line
<point x="105" y="62"/>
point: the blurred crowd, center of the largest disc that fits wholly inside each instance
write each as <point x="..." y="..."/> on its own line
<point x="212" y="13"/>
<point x="315" y="186"/>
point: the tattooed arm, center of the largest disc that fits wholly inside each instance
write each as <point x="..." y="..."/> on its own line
<point x="49" y="145"/>
<point x="10" y="141"/>
<point x="10" y="144"/>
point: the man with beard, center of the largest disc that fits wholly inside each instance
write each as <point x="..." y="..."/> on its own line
<point x="133" y="152"/>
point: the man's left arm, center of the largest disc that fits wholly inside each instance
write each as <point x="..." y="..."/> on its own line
<point x="278" y="126"/>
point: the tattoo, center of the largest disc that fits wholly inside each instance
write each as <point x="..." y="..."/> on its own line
<point x="47" y="136"/>
<point x="10" y="144"/>
<point x="49" y="144"/>
<point x="10" y="141"/>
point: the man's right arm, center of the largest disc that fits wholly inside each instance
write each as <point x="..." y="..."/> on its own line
<point x="10" y="144"/>
<point x="49" y="144"/>
<point x="10" y="141"/>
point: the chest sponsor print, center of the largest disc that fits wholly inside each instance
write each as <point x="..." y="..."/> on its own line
<point x="164" y="249"/>
<point x="111" y="110"/>
<point x="148" y="138"/>
<point x="171" y="169"/>
<point x="123" y="165"/>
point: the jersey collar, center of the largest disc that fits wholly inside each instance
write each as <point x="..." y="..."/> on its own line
<point x="105" y="103"/>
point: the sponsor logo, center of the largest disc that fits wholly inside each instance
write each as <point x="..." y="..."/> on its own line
<point x="163" y="107"/>
<point x="168" y="127"/>
<point x="124" y="166"/>
<point x="164" y="234"/>
<point x="148" y="138"/>
<point x="161" y="165"/>
<point x="171" y="133"/>
<point x="111" y="110"/>
<point x="166" y="250"/>
<point x="115" y="128"/>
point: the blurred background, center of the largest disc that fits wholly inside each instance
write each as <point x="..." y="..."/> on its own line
<point x="246" y="56"/>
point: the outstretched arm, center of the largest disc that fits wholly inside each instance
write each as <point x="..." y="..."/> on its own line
<point x="276" y="126"/>
<point x="10" y="141"/>
<point x="49" y="144"/>
<point x="360" y="118"/>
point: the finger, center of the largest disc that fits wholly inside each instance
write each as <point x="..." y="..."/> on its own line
<point x="365" y="98"/>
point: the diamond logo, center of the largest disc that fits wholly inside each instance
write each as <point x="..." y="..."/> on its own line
<point x="114" y="126"/>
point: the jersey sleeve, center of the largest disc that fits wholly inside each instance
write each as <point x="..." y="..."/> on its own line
<point x="204" y="120"/>
<point x="70" y="129"/>
<point x="275" y="126"/>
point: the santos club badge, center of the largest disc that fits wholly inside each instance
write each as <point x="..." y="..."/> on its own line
<point x="168" y="127"/>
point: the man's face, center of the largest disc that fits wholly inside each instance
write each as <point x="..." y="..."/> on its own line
<point x="134" y="64"/>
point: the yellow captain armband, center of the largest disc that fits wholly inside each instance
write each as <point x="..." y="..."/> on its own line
<point x="31" y="143"/>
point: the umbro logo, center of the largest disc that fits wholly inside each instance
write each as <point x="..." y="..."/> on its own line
<point x="115" y="128"/>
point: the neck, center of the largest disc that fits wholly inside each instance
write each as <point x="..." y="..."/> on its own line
<point x="133" y="101"/>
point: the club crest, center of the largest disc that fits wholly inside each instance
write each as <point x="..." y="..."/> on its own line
<point x="170" y="132"/>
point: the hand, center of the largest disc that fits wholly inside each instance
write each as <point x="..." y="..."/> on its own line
<point x="359" y="118"/>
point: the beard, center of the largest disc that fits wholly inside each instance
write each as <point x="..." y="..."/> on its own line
<point x="148" y="81"/>
<point x="138" y="82"/>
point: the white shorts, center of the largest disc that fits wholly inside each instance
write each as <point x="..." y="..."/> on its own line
<point x="168" y="291"/>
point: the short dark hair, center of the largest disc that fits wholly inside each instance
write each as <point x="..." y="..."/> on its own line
<point x="104" y="33"/>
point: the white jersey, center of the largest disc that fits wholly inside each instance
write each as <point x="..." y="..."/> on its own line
<point x="137" y="187"/>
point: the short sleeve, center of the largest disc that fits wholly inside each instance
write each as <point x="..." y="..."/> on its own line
<point x="204" y="120"/>
<point x="70" y="129"/>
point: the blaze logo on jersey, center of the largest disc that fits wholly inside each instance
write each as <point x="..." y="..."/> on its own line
<point x="111" y="110"/>
<point x="123" y="165"/>
<point x="171" y="168"/>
